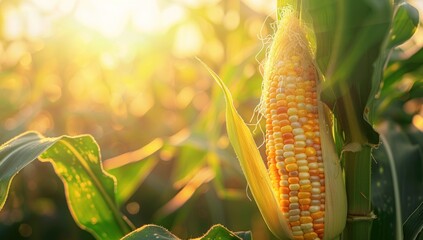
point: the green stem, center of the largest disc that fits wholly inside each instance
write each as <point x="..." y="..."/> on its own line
<point x="358" y="180"/>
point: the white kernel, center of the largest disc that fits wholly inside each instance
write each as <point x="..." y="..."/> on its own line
<point x="300" y="137"/>
<point x="306" y="225"/>
<point x="296" y="233"/>
<point x="279" y="152"/>
<point x="304" y="182"/>
<point x="293" y="205"/>
<point x="313" y="165"/>
<point x="319" y="220"/>
<point x="296" y="228"/>
<point x="295" y="124"/>
<point x="300" y="156"/>
<point x="305" y="213"/>
<point x="280" y="165"/>
<point x="314" y="190"/>
<point x="279" y="96"/>
<point x="302" y="162"/>
<point x="294" y="218"/>
<point x="315" y="184"/>
<point x="309" y="107"/>
<point x="288" y="147"/>
<point x="314" y="209"/>
<point x="294" y="187"/>
<point x="293" y="199"/>
<point x="315" y="202"/>
<point x="304" y="175"/>
<point x="298" y="131"/>
<point x="294" y="212"/>
<point x="300" y="144"/>
<point x="303" y="169"/>
<point x="283" y="183"/>
<point x="293" y="118"/>
<point x="288" y="154"/>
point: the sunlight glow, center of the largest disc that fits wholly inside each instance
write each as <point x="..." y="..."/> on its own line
<point x="111" y="17"/>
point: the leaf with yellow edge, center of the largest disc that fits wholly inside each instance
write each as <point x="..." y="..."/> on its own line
<point x="90" y="191"/>
<point x="252" y="165"/>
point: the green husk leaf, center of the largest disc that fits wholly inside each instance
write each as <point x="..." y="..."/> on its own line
<point x="252" y="164"/>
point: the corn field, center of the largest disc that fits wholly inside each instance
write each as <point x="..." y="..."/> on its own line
<point x="181" y="119"/>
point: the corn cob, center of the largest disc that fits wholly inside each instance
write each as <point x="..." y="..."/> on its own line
<point x="294" y="127"/>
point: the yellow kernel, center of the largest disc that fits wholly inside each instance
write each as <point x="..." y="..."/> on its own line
<point x="317" y="215"/>
<point x="306" y="219"/>
<point x="289" y="160"/>
<point x="295" y="223"/>
<point x="309" y="135"/>
<point x="304" y="201"/>
<point x="292" y="111"/>
<point x="304" y="195"/>
<point x="310" y="235"/>
<point x="286" y="129"/>
<point x="306" y="187"/>
<point x="310" y="151"/>
<point x="291" y="167"/>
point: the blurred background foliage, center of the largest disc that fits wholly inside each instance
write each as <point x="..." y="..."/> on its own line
<point x="125" y="72"/>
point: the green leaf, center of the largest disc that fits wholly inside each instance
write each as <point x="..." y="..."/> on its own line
<point x="404" y="25"/>
<point x="396" y="70"/>
<point x="90" y="191"/>
<point x="15" y="155"/>
<point x="190" y="160"/>
<point x="413" y="226"/>
<point x="396" y="178"/>
<point x="406" y="20"/>
<point x="349" y="38"/>
<point x="130" y="176"/>
<point x="220" y="232"/>
<point x="150" y="232"/>
<point x="252" y="164"/>
<point x="244" y="235"/>
<point x="131" y="168"/>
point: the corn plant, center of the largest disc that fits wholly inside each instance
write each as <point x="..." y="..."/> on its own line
<point x="352" y="55"/>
